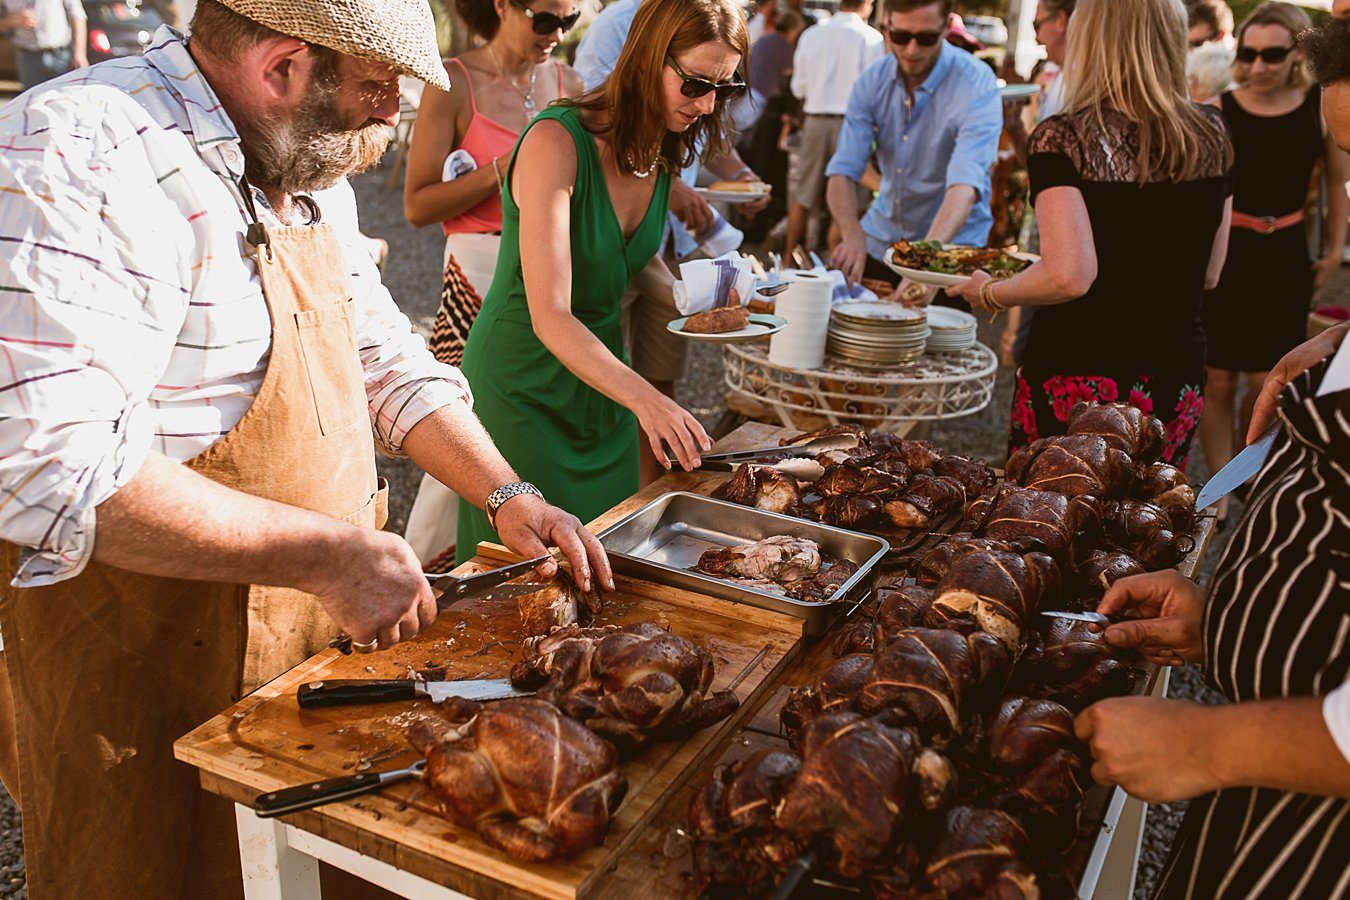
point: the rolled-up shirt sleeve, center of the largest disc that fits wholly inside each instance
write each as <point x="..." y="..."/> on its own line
<point x="404" y="381"/>
<point x="75" y="10"/>
<point x="84" y="332"/>
<point x="976" y="147"/>
<point x="859" y="131"/>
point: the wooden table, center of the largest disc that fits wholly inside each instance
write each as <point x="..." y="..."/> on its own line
<point x="398" y="840"/>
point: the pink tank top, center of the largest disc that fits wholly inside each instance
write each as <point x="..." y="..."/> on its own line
<point x="483" y="140"/>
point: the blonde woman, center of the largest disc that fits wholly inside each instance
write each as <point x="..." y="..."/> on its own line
<point x="1131" y="190"/>
<point x="1259" y="311"/>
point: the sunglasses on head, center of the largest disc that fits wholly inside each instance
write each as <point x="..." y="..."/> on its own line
<point x="694" y="88"/>
<point x="901" y="38"/>
<point x="1270" y="55"/>
<point x="547" y="22"/>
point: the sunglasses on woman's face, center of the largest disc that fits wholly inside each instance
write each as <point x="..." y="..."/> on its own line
<point x="694" y="88"/>
<point x="901" y="38"/>
<point x="1271" y="56"/>
<point x="547" y="22"/>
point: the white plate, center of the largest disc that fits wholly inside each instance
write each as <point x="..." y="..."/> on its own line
<point x="732" y="196"/>
<point x="944" y="318"/>
<point x="878" y="309"/>
<point x="1018" y="91"/>
<point x="761" y="325"/>
<point x="938" y="279"/>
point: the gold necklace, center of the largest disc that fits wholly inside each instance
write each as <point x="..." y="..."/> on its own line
<point x="526" y="98"/>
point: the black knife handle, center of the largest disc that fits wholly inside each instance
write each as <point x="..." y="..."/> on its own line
<point x="339" y="692"/>
<point x="318" y="793"/>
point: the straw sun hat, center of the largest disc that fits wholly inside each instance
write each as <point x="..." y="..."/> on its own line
<point x="400" y="33"/>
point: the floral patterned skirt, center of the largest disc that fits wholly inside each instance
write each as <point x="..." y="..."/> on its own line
<point x="1041" y="403"/>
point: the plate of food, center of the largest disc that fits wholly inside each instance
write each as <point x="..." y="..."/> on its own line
<point x="736" y="191"/>
<point x="727" y="325"/>
<point x="943" y="265"/>
<point x="1018" y="91"/>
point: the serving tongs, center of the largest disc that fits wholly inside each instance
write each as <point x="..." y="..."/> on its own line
<point x="490" y="585"/>
<point x="724" y="462"/>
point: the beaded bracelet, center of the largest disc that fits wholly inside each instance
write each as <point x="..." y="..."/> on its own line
<point x="987" y="299"/>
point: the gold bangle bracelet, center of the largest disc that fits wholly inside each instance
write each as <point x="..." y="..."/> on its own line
<point x="498" y="173"/>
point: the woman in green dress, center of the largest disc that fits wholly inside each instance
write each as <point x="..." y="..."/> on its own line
<point x="584" y="210"/>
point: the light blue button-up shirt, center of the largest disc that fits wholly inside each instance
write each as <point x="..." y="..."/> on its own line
<point x="949" y="137"/>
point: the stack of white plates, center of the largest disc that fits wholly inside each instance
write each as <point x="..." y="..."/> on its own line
<point x="876" y="333"/>
<point x="952" y="330"/>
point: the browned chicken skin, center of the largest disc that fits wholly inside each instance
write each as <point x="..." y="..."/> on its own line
<point x="561" y="603"/>
<point x="1073" y="464"/>
<point x="762" y="487"/>
<point x="999" y="590"/>
<point x="1122" y="426"/>
<point x="927" y="498"/>
<point x="1069" y="663"/>
<point x="982" y="853"/>
<point x="633" y="684"/>
<point x="531" y="781"/>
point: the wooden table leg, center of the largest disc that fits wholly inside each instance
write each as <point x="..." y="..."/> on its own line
<point x="273" y="869"/>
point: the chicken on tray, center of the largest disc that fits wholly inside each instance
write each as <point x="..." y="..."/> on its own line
<point x="781" y="564"/>
<point x="528" y="779"/>
<point x="633" y="685"/>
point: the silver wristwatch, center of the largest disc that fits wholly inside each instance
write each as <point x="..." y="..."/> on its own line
<point x="504" y="493"/>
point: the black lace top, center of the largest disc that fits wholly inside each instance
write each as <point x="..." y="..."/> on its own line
<point x="1153" y="243"/>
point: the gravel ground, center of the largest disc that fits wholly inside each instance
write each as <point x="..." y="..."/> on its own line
<point x="412" y="273"/>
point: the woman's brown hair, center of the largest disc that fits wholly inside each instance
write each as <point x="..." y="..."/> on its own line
<point x="629" y="102"/>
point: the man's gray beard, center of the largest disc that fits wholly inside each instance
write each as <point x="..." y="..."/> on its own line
<point x="312" y="150"/>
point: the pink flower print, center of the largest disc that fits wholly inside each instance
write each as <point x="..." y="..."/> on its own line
<point x="1140" y="400"/>
<point x="1107" y="392"/>
<point x="1023" y="416"/>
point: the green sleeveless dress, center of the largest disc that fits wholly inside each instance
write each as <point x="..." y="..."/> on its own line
<point x="578" y="446"/>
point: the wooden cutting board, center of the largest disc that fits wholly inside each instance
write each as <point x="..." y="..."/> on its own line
<point x="267" y="742"/>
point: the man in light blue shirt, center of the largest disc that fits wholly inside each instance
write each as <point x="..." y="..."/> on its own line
<point x="932" y="115"/>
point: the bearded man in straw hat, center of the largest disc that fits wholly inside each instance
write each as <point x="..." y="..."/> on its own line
<point x="199" y="360"/>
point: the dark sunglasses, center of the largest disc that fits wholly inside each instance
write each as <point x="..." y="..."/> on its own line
<point x="901" y="38"/>
<point x="694" y="88"/>
<point x="547" y="22"/>
<point x="1271" y="56"/>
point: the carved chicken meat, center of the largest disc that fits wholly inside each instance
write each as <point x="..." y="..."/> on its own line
<point x="928" y="497"/>
<point x="860" y="780"/>
<point x="1073" y="464"/>
<point x="918" y="455"/>
<point x="1064" y="527"/>
<point x="778" y="558"/>
<point x="1069" y="663"/>
<point x="561" y="603"/>
<point x="762" y="487"/>
<point x="737" y="844"/>
<point x="999" y="590"/>
<point x="982" y="853"/>
<point x="1122" y="426"/>
<point x="932" y="678"/>
<point x="531" y="781"/>
<point x="633" y="685"/>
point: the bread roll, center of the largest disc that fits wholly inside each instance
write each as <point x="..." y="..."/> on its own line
<point x="718" y="321"/>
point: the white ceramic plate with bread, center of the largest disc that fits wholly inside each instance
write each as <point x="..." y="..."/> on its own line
<point x="735" y="191"/>
<point x="761" y="325"/>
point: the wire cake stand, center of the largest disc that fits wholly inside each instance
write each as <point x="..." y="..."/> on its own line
<point x="934" y="386"/>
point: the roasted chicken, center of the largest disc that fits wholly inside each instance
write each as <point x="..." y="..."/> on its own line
<point x="836" y="690"/>
<point x="1069" y="663"/>
<point x="1073" y="464"/>
<point x="531" y="781"/>
<point x="982" y="853"/>
<point x="762" y="487"/>
<point x="1145" y="531"/>
<point x="1122" y="426"/>
<point x="928" y="498"/>
<point x="633" y="685"/>
<point x="999" y="590"/>
<point x="1064" y="527"/>
<point x="561" y="603"/>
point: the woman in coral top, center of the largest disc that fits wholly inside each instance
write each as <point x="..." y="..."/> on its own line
<point x="496" y="89"/>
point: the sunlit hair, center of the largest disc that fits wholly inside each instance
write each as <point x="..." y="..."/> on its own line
<point x="1209" y="68"/>
<point x="1131" y="57"/>
<point x="1289" y="17"/>
<point x="631" y="101"/>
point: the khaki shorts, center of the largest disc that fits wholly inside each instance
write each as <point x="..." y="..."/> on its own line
<point x="820" y="135"/>
<point x="653" y="352"/>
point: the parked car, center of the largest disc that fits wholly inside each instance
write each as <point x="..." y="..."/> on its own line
<point x="988" y="30"/>
<point x="119" y="28"/>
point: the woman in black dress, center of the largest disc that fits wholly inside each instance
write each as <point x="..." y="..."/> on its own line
<point x="1131" y="189"/>
<point x="1259" y="311"/>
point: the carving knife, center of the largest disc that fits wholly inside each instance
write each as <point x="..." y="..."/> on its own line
<point x="348" y="692"/>
<point x="317" y="793"/>
<point x="1094" y="617"/>
<point x="489" y="585"/>
<point x="1239" y="470"/>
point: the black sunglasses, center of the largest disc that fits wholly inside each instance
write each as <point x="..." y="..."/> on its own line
<point x="700" y="87"/>
<point x="901" y="38"/>
<point x="1272" y="56"/>
<point x="547" y="22"/>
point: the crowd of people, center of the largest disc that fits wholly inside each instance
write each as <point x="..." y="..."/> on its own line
<point x="201" y="357"/>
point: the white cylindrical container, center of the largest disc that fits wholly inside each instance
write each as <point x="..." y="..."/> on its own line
<point x="806" y="307"/>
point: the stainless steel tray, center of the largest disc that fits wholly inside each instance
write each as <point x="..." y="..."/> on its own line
<point x="662" y="543"/>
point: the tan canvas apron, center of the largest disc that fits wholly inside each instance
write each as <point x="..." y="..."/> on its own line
<point x="109" y="668"/>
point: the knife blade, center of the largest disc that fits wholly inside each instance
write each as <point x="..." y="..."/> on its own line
<point x="353" y="691"/>
<point x="1239" y="469"/>
<point x="450" y="589"/>
<point x="317" y="793"/>
<point x="1095" y="618"/>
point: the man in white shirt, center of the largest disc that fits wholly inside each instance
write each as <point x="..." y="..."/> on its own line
<point x="828" y="60"/>
<point x="50" y="37"/>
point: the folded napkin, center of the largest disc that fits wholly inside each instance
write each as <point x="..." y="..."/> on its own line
<point x="709" y="283"/>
